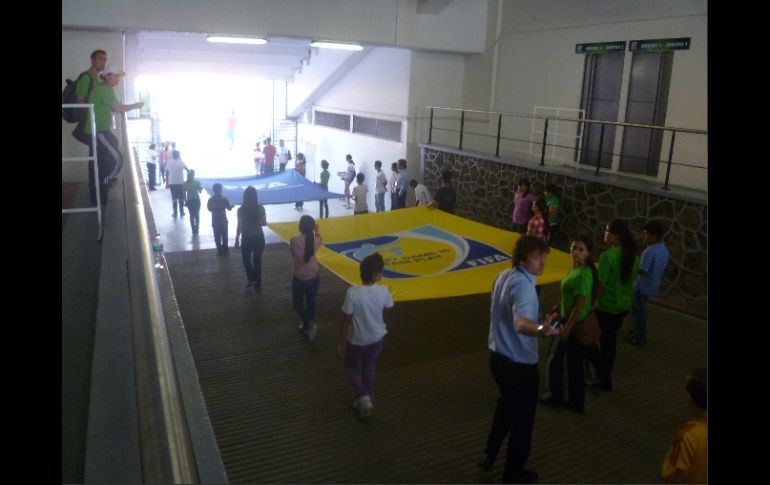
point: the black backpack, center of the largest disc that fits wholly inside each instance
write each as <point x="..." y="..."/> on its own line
<point x="73" y="115"/>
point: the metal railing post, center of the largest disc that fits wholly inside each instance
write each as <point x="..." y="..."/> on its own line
<point x="499" y="124"/>
<point x="545" y="136"/>
<point x="670" y="155"/>
<point x="462" y="127"/>
<point x="430" y="130"/>
<point x="601" y="145"/>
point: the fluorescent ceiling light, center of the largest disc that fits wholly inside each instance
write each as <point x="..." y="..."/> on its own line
<point x="337" y="45"/>
<point x="236" y="40"/>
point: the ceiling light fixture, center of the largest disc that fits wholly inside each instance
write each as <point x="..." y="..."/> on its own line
<point x="236" y="40"/>
<point x="337" y="45"/>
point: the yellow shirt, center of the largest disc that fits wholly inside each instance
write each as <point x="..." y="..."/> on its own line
<point x="688" y="453"/>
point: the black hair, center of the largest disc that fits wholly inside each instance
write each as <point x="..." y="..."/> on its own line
<point x="589" y="261"/>
<point x="250" y="205"/>
<point x="525" y="246"/>
<point x="360" y="178"/>
<point x="324" y="164"/>
<point x="655" y="228"/>
<point x="446" y="176"/>
<point x="377" y="164"/>
<point x="349" y="157"/>
<point x="523" y="182"/>
<point x="619" y="227"/>
<point x="697" y="387"/>
<point x="401" y="163"/>
<point x="370" y="265"/>
<point x="152" y="146"/>
<point x="394" y="166"/>
<point x="543" y="208"/>
<point x="97" y="52"/>
<point x="175" y="154"/>
<point x="307" y="227"/>
<point x="217" y="188"/>
<point x="413" y="183"/>
<point x="552" y="189"/>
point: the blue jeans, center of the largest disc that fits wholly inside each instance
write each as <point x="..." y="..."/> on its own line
<point x="379" y="202"/>
<point x="639" y="314"/>
<point x="303" y="296"/>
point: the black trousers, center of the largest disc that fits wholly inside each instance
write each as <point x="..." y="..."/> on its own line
<point x="151" y="175"/>
<point x="575" y="354"/>
<point x="514" y="413"/>
<point x="603" y="358"/>
<point x="251" y="253"/>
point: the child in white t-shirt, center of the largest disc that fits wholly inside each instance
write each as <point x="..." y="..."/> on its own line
<point x="362" y="330"/>
<point x="359" y="196"/>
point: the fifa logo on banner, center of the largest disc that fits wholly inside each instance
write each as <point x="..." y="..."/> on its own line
<point x="423" y="251"/>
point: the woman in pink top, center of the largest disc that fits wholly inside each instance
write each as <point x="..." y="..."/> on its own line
<point x="522" y="206"/>
<point x="305" y="281"/>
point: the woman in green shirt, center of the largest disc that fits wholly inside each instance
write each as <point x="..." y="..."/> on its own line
<point x="618" y="267"/>
<point x="576" y="290"/>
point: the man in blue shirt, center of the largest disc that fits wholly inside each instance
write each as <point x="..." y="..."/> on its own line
<point x="513" y="332"/>
<point x="653" y="262"/>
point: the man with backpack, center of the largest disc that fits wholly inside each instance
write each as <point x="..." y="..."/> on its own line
<point x="84" y="86"/>
<point x="108" y="155"/>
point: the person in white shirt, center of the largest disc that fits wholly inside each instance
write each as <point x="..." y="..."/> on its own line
<point x="175" y="181"/>
<point x="362" y="331"/>
<point x="380" y="187"/>
<point x="359" y="196"/>
<point x="152" y="166"/>
<point x="421" y="193"/>
<point x="283" y="156"/>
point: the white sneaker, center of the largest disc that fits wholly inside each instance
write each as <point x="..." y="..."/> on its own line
<point x="364" y="407"/>
<point x="313" y="331"/>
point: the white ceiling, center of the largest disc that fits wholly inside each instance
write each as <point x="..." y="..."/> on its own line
<point x="163" y="52"/>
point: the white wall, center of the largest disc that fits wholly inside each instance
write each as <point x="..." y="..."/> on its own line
<point x="76" y="48"/>
<point x="323" y="62"/>
<point x="460" y="26"/>
<point x="537" y="64"/>
<point x="378" y="86"/>
<point x="435" y="80"/>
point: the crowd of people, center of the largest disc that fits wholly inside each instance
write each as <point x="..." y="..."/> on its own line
<point x="605" y="288"/>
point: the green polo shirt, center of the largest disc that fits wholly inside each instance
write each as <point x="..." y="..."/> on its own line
<point x="578" y="282"/>
<point x="103" y="97"/>
<point x="616" y="297"/>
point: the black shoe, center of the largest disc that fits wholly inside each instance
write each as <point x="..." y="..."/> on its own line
<point x="638" y="343"/>
<point x="575" y="408"/>
<point x="603" y="385"/>
<point x="173" y="215"/>
<point x="486" y="462"/>
<point x="523" y="476"/>
<point x="552" y="401"/>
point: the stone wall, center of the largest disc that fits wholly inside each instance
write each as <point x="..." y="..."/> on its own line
<point x="485" y="191"/>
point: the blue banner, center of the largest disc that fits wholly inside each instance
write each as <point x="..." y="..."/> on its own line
<point x="277" y="188"/>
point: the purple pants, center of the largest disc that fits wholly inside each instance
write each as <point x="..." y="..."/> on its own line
<point x="362" y="382"/>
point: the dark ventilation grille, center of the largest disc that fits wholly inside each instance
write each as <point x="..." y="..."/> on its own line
<point x="332" y="120"/>
<point x="389" y="130"/>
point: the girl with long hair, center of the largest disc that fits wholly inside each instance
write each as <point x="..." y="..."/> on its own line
<point x="618" y="267"/>
<point x="305" y="280"/>
<point x="576" y="291"/>
<point x="251" y="218"/>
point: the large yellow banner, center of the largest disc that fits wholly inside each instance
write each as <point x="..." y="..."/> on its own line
<point x="428" y="253"/>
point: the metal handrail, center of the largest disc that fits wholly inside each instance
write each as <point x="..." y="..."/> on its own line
<point x="602" y="123"/>
<point x="576" y="120"/>
<point x="98" y="207"/>
<point x="167" y="452"/>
